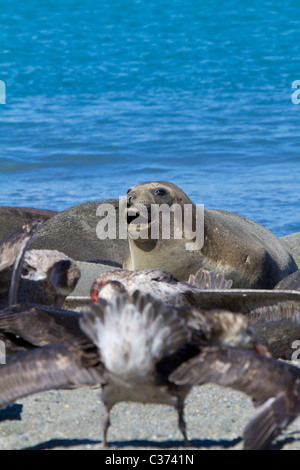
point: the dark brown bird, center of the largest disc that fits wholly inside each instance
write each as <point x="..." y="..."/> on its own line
<point x="47" y="277"/>
<point x="37" y="276"/>
<point x="131" y="349"/>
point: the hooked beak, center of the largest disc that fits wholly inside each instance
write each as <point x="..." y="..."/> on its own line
<point x="94" y="291"/>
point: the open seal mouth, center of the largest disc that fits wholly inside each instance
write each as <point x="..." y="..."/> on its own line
<point x="139" y="220"/>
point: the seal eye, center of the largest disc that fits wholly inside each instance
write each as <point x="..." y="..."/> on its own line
<point x="160" y="192"/>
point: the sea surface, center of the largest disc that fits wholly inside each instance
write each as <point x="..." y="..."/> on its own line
<point x="102" y="95"/>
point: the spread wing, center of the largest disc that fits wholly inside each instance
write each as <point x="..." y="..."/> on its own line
<point x="62" y="365"/>
<point x="40" y="325"/>
<point x="12" y="252"/>
<point x="256" y="375"/>
<point x="247" y="301"/>
<point x="267" y="381"/>
<point x="287" y="310"/>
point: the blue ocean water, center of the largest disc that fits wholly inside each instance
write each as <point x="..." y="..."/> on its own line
<point x="101" y="95"/>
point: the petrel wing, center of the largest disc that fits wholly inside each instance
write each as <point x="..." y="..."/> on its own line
<point x="12" y="252"/>
<point x="258" y="305"/>
<point x="39" y="325"/>
<point x="11" y="246"/>
<point x="30" y="230"/>
<point x="264" y="379"/>
<point x="258" y="376"/>
<point x="62" y="365"/>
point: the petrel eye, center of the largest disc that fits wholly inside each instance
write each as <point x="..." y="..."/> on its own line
<point x="129" y="190"/>
<point x="160" y="192"/>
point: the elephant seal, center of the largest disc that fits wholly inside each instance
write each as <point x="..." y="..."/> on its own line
<point x="291" y="282"/>
<point x="240" y="249"/>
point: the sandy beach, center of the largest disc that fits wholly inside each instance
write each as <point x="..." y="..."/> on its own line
<point x="72" y="420"/>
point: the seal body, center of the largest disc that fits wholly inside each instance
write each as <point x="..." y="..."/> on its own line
<point x="291" y="282"/>
<point x="240" y="249"/>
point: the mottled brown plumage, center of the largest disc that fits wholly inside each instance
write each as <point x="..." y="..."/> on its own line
<point x="258" y="305"/>
<point x="272" y="384"/>
<point x="47" y="277"/>
<point x="37" y="276"/>
<point x="24" y="326"/>
<point x="132" y="348"/>
<point x="63" y="365"/>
